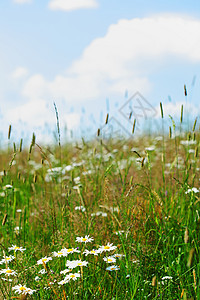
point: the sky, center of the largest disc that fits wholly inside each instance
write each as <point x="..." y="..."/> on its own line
<point x="92" y="58"/>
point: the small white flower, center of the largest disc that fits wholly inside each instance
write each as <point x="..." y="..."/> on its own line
<point x="72" y="276"/>
<point x="30" y="291"/>
<point x="117" y="255"/>
<point x="81" y="208"/>
<point x="20" y="289"/>
<point x="17" y="229"/>
<point x="68" y="168"/>
<point x="7" y="279"/>
<point x="135" y="261"/>
<point x="37" y="278"/>
<point x="113" y="268"/>
<point x="188" y="143"/>
<point x="69" y="250"/>
<point x="150" y="148"/>
<point x="7" y="186"/>
<point x="93" y="251"/>
<point x="109" y="259"/>
<point x="85" y="239"/>
<point x="71" y="264"/>
<point x="7" y="259"/>
<point x="108" y="247"/>
<point x="119" y="232"/>
<point x="63" y="281"/>
<point x="167" y="278"/>
<point x="44" y="260"/>
<point x="43" y="271"/>
<point x="65" y="271"/>
<point x="8" y="272"/>
<point x="77" y="180"/>
<point x="194" y="190"/>
<point x="59" y="253"/>
<point x="99" y="213"/>
<point x="16" y="248"/>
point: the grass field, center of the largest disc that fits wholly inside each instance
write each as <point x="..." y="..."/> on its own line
<point x="102" y="220"/>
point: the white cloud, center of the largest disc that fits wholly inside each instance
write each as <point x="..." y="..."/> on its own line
<point x="174" y="110"/>
<point x="35" y="114"/>
<point x="22" y="1"/>
<point x="19" y="72"/>
<point x="123" y="59"/>
<point x="69" y="5"/>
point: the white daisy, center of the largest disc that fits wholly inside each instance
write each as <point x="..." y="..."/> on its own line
<point x="71" y="264"/>
<point x="22" y="289"/>
<point x="93" y="251"/>
<point x="16" y="248"/>
<point x="85" y="239"/>
<point x="7" y="259"/>
<point x="72" y="276"/>
<point x="59" y="253"/>
<point x="194" y="190"/>
<point x="113" y="268"/>
<point x="117" y="255"/>
<point x="7" y="279"/>
<point x="109" y="259"/>
<point x="8" y="272"/>
<point x="63" y="281"/>
<point x="108" y="247"/>
<point x="69" y="250"/>
<point x="44" y="260"/>
<point x="81" y="208"/>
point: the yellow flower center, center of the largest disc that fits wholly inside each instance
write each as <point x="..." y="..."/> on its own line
<point x="8" y="258"/>
<point x="109" y="259"/>
<point x="93" y="251"/>
<point x="69" y="250"/>
<point x="60" y="253"/>
<point x="112" y="268"/>
<point x="44" y="259"/>
<point x="107" y="247"/>
<point x="8" y="271"/>
<point x="84" y="239"/>
<point x="80" y="264"/>
<point x="16" y="248"/>
<point x="72" y="276"/>
<point x="22" y="288"/>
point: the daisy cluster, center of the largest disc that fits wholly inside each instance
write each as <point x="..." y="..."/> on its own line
<point x="74" y="267"/>
<point x="71" y="275"/>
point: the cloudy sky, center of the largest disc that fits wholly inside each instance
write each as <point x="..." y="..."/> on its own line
<point x="93" y="57"/>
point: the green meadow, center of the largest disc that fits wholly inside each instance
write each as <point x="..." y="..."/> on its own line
<point x="114" y="219"/>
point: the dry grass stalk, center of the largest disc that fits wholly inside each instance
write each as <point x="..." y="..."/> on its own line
<point x="9" y="131"/>
<point x="195" y="279"/>
<point x="190" y="258"/>
<point x="186" y="236"/>
<point x="107" y="117"/>
<point x="153" y="283"/>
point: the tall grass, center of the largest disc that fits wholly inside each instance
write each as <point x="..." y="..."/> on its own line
<point x="140" y="197"/>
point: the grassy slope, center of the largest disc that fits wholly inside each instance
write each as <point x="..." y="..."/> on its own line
<point x="141" y="193"/>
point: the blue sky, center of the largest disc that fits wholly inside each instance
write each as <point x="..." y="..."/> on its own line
<point x="90" y="57"/>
